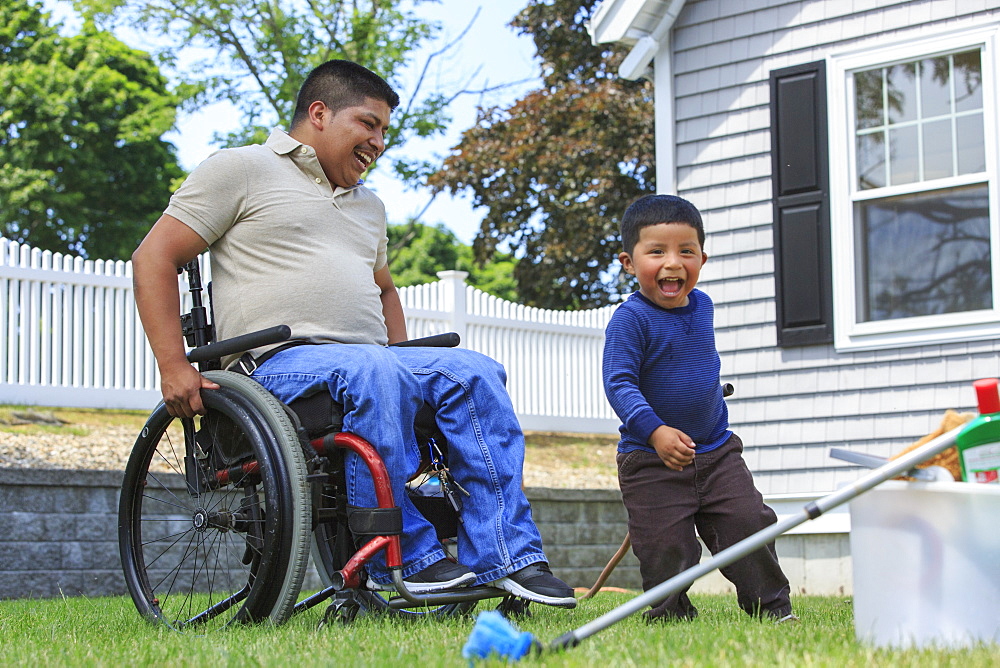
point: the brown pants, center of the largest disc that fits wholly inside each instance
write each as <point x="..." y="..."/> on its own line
<point x="714" y="494"/>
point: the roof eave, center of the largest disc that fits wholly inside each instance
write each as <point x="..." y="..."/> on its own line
<point x="615" y="22"/>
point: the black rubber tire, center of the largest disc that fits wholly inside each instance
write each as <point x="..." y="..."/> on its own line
<point x="295" y="472"/>
<point x="183" y="549"/>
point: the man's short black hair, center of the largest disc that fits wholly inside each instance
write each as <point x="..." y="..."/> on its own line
<point x="655" y="209"/>
<point x="340" y="84"/>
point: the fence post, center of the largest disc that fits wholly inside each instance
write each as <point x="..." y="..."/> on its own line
<point x="454" y="299"/>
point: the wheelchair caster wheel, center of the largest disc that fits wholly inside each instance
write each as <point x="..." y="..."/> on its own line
<point x="343" y="609"/>
<point x="513" y="607"/>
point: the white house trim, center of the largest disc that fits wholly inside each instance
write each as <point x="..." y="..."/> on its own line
<point x="614" y="21"/>
<point x="619" y="21"/>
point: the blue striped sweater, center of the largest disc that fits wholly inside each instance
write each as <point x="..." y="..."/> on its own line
<point x="661" y="367"/>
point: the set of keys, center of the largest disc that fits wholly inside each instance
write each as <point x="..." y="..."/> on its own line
<point x="448" y="482"/>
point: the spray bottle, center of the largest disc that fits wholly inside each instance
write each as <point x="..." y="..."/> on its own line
<point x="979" y="443"/>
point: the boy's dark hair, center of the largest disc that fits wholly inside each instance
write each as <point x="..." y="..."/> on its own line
<point x="655" y="209"/>
<point x="340" y="84"/>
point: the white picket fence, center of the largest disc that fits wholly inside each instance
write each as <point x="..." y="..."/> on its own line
<point x="70" y="336"/>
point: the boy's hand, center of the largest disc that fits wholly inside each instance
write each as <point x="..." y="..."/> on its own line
<point x="675" y="448"/>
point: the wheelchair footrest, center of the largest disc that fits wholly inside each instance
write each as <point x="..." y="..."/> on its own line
<point x="447" y="596"/>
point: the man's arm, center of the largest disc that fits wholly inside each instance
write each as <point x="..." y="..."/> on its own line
<point x="392" y="307"/>
<point x="169" y="245"/>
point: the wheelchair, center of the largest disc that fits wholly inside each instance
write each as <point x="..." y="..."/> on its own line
<point x="219" y="514"/>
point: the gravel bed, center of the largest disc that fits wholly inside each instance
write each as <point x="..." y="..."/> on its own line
<point x="108" y="450"/>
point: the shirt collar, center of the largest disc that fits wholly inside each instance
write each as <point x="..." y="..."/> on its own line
<point x="283" y="143"/>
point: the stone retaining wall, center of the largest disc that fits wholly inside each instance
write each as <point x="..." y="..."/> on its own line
<point x="58" y="536"/>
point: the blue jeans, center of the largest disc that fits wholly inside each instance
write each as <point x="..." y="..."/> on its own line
<point x="381" y="390"/>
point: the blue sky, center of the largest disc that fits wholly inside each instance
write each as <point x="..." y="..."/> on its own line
<point x="501" y="57"/>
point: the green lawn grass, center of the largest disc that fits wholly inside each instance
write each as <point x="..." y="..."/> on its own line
<point x="108" y="631"/>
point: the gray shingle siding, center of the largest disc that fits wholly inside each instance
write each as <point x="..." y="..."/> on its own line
<point x="791" y="405"/>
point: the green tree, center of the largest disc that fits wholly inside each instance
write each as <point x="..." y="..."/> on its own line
<point x="417" y="252"/>
<point x="557" y="168"/>
<point x="260" y="51"/>
<point x="83" y="168"/>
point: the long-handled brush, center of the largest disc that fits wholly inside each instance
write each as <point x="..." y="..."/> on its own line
<point x="492" y="633"/>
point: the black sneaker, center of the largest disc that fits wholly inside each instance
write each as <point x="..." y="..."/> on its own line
<point x="536" y="583"/>
<point x="443" y="574"/>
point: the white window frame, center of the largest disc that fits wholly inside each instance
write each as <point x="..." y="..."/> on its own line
<point x="849" y="334"/>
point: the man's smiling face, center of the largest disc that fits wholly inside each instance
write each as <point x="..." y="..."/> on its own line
<point x="351" y="140"/>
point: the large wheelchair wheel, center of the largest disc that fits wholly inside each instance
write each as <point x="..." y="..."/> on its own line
<point x="333" y="545"/>
<point x="215" y="512"/>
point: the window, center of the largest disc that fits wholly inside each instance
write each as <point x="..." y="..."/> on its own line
<point x="913" y="201"/>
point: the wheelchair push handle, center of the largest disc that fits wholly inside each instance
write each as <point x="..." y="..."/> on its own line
<point x="445" y="340"/>
<point x="240" y="343"/>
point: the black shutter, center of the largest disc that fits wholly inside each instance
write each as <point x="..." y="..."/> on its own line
<point x="800" y="185"/>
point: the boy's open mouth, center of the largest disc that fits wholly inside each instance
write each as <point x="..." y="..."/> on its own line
<point x="670" y="287"/>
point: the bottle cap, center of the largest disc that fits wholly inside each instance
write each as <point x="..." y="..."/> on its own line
<point x="986" y="393"/>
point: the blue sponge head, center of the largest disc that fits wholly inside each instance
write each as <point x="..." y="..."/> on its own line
<point x="493" y="634"/>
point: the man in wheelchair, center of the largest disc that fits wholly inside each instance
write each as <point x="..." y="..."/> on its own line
<point x="297" y="239"/>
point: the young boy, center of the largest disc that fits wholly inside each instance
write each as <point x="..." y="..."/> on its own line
<point x="679" y="466"/>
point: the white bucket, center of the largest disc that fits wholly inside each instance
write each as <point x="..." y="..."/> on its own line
<point x="926" y="562"/>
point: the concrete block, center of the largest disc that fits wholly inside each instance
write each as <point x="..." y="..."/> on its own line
<point x="96" y="527"/>
<point x="553" y="512"/>
<point x="38" y="584"/>
<point x="790" y="547"/>
<point x="827" y="566"/>
<point x="33" y="556"/>
<point x="578" y="556"/>
<point x="713" y="583"/>
<point x="792" y="562"/>
<point x="101" y="501"/>
<point x="605" y="512"/>
<point x="22" y="526"/>
<point x="32" y="499"/>
<point x="104" y="582"/>
<point x="100" y="555"/>
<point x="624" y="576"/>
<point x="73" y="556"/>
<point x="584" y="534"/>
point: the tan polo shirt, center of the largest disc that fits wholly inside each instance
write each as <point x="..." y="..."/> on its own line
<point x="287" y="246"/>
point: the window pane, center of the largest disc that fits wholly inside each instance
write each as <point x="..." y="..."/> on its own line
<point x="901" y="81"/>
<point x="903" y="155"/>
<point x="925" y="254"/>
<point x="971" y="144"/>
<point x="935" y="87"/>
<point x="937" y="150"/>
<point x="868" y="98"/>
<point x="931" y="113"/>
<point x="871" y="160"/>
<point x="968" y="81"/>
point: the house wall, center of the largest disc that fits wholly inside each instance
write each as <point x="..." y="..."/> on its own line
<point x="791" y="405"/>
